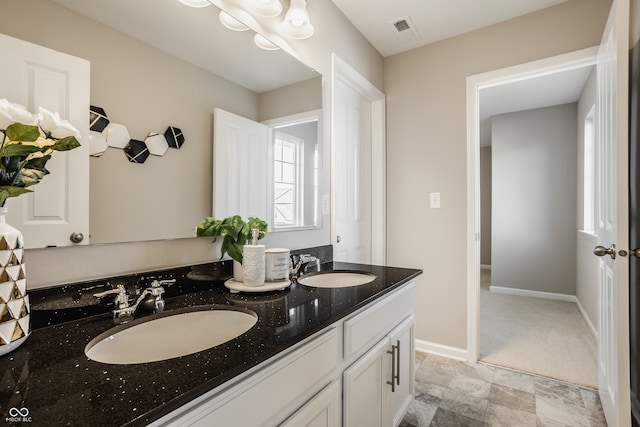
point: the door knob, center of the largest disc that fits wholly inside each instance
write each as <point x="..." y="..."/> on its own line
<point x="631" y="252"/>
<point x="602" y="251"/>
<point x="76" y="237"/>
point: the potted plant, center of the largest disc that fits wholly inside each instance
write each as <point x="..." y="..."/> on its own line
<point x="236" y="232"/>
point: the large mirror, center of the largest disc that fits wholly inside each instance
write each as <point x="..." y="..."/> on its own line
<point x="156" y="64"/>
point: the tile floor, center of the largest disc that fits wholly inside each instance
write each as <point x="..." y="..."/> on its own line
<point x="452" y="393"/>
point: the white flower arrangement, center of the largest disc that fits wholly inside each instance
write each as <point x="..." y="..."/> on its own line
<point x="28" y="142"/>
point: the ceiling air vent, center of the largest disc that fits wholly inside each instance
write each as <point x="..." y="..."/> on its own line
<point x="405" y="29"/>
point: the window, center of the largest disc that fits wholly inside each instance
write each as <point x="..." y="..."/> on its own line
<point x="287" y="180"/>
<point x="589" y="164"/>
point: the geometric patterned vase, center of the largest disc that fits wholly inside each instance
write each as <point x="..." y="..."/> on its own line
<point x="14" y="301"/>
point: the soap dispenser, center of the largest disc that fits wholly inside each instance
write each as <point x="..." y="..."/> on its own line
<point x="253" y="261"/>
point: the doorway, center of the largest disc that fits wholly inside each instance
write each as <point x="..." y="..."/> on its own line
<point x="531" y="317"/>
<point x="496" y="80"/>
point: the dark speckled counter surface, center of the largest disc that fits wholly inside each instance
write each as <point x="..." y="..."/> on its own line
<point x="51" y="376"/>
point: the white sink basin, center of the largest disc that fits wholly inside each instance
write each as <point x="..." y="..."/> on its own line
<point x="173" y="334"/>
<point x="336" y="279"/>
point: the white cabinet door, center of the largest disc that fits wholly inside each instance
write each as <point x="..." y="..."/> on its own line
<point x="365" y="382"/>
<point x="240" y="159"/>
<point x="379" y="386"/>
<point x="35" y="76"/>
<point x="321" y="411"/>
<point x="403" y="344"/>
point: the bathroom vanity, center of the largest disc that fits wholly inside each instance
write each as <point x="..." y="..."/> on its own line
<point x="315" y="357"/>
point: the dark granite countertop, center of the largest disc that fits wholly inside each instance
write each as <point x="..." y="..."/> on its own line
<point x="51" y="376"/>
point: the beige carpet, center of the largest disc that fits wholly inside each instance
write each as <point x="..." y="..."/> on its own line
<point x="538" y="336"/>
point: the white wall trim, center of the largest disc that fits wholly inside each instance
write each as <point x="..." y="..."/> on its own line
<point x="587" y="320"/>
<point x="441" y="350"/>
<point x="475" y="83"/>
<point x="342" y="71"/>
<point x="533" y="294"/>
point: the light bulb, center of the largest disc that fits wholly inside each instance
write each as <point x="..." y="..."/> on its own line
<point x="297" y="23"/>
<point x="231" y="23"/>
<point x="264" y="43"/>
<point x="264" y="8"/>
<point x="195" y="3"/>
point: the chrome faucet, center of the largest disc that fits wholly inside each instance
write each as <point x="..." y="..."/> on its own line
<point x="300" y="262"/>
<point x="150" y="298"/>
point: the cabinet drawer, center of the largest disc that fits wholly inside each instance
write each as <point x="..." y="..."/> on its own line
<point x="366" y="328"/>
<point x="268" y="396"/>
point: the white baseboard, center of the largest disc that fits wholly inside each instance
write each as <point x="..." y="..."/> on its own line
<point x="534" y="294"/>
<point x="592" y="328"/>
<point x="441" y="350"/>
<point x="485" y="267"/>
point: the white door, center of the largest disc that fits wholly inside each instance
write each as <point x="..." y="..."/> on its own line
<point x="240" y="163"/>
<point x="612" y="213"/>
<point x="352" y="148"/>
<point x="35" y="76"/>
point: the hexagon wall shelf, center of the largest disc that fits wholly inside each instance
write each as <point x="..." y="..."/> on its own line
<point x="136" y="151"/>
<point x="97" y="144"/>
<point x="174" y="137"/>
<point x="105" y="134"/>
<point x="98" y="119"/>
<point x="117" y="135"/>
<point x="157" y="144"/>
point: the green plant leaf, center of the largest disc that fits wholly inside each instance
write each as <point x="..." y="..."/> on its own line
<point x="230" y="246"/>
<point x="18" y="150"/>
<point x="65" y="144"/>
<point x="11" y="191"/>
<point x="261" y="225"/>
<point x="21" y="132"/>
<point x="38" y="163"/>
<point x="209" y="226"/>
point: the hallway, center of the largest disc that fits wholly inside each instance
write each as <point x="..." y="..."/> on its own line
<point x="535" y="335"/>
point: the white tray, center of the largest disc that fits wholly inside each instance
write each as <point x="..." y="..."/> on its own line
<point x="236" y="287"/>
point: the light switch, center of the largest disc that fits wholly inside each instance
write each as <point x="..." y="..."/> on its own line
<point x="325" y="204"/>
<point x="434" y="200"/>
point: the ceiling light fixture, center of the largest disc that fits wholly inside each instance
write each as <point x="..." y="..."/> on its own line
<point x="264" y="43"/>
<point x="297" y="23"/>
<point x="264" y="8"/>
<point x="231" y="23"/>
<point x="195" y="3"/>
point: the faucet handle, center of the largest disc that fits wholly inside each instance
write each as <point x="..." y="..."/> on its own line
<point x="121" y="300"/>
<point x="157" y="283"/>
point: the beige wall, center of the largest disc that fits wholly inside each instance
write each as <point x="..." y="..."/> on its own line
<point x="426" y="148"/>
<point x="149" y="104"/>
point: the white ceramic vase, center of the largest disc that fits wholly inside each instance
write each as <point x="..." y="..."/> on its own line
<point x="14" y="301"/>
<point x="238" y="272"/>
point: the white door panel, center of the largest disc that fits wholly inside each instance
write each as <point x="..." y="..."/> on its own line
<point x="352" y="176"/>
<point x="240" y="166"/>
<point x="613" y="223"/>
<point x="59" y="205"/>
